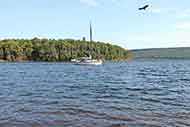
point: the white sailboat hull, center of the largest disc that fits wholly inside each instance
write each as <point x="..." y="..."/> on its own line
<point x="89" y="63"/>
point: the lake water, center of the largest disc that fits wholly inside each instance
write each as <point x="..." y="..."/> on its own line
<point x="136" y="93"/>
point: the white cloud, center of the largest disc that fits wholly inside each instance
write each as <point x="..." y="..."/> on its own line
<point x="171" y="11"/>
<point x="91" y="3"/>
<point x="162" y="10"/>
<point x="156" y="10"/>
<point x="158" y="39"/>
<point x="183" y="26"/>
<point x="115" y="1"/>
<point x="186" y="13"/>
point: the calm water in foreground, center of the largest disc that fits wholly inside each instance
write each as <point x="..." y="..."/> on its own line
<point x="138" y="93"/>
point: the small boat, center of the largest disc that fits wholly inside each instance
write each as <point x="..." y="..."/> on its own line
<point x="87" y="61"/>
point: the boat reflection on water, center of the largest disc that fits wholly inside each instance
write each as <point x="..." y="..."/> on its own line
<point x="87" y="61"/>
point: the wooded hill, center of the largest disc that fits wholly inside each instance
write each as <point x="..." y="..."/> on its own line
<point x="57" y="50"/>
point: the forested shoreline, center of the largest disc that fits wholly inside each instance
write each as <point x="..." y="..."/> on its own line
<point x="57" y="50"/>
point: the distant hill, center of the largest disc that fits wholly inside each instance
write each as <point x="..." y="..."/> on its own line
<point x="172" y="53"/>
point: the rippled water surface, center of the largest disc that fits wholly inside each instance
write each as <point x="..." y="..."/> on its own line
<point x="137" y="93"/>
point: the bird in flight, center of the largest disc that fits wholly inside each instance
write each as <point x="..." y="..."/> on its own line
<point x="144" y="7"/>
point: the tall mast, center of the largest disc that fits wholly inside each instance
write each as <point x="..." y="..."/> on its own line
<point x="90" y="31"/>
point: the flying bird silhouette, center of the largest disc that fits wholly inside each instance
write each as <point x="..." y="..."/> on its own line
<point x="144" y="7"/>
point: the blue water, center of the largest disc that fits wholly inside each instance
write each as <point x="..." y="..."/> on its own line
<point x="136" y="93"/>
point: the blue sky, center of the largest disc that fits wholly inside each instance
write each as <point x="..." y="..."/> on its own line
<point x="165" y="24"/>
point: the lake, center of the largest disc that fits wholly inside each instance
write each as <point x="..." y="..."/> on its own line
<point x="136" y="93"/>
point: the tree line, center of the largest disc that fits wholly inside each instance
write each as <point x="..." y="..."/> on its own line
<point x="58" y="50"/>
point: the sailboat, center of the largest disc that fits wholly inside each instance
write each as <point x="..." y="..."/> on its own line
<point x="87" y="60"/>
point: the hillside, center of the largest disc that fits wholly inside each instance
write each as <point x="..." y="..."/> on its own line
<point x="173" y="53"/>
<point x="57" y="50"/>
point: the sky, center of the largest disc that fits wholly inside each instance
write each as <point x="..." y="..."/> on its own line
<point x="166" y="23"/>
